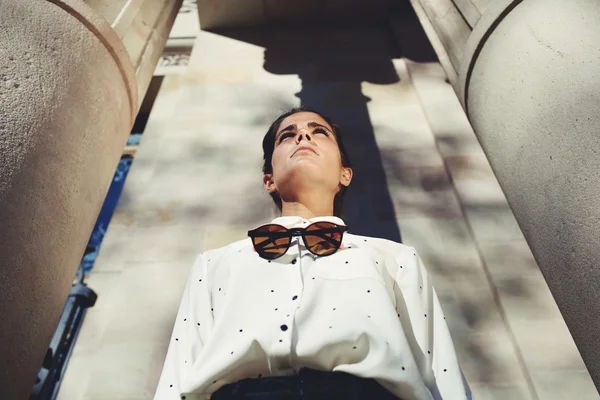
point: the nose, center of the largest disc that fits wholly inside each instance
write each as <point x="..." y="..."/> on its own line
<point x="301" y="134"/>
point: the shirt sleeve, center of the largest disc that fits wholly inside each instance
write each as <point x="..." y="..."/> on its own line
<point x="428" y="335"/>
<point x="190" y="331"/>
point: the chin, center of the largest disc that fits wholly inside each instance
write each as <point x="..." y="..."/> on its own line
<point x="304" y="172"/>
<point x="305" y="165"/>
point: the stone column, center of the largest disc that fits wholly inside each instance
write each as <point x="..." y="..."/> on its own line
<point x="530" y="84"/>
<point x="72" y="76"/>
<point x="527" y="73"/>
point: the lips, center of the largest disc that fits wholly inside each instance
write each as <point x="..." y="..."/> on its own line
<point x="304" y="148"/>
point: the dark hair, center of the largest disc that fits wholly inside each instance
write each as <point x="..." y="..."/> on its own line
<point x="269" y="146"/>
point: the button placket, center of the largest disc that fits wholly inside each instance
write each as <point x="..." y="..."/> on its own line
<point x="284" y="323"/>
<point x="296" y="285"/>
<point x="295" y="294"/>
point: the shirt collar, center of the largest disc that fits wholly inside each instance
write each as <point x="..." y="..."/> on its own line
<point x="294" y="222"/>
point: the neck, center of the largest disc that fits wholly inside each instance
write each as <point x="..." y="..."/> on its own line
<point x="308" y="207"/>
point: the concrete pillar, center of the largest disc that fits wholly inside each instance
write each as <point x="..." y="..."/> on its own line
<point x="527" y="73"/>
<point x="530" y="84"/>
<point x="72" y="76"/>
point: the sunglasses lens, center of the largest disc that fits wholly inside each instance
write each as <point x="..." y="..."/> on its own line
<point x="323" y="238"/>
<point x="269" y="241"/>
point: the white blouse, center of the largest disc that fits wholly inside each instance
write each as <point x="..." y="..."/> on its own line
<point x="368" y="310"/>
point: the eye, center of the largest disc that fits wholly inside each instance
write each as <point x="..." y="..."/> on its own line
<point x="285" y="136"/>
<point x="321" y="130"/>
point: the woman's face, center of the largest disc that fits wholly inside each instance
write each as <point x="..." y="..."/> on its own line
<point x="306" y="156"/>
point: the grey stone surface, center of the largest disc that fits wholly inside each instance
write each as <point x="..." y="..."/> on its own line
<point x="63" y="123"/>
<point x="521" y="295"/>
<point x="469" y="11"/>
<point x="516" y="390"/>
<point x="69" y="89"/>
<point x="559" y="385"/>
<point x="539" y="129"/>
<point x="452" y="29"/>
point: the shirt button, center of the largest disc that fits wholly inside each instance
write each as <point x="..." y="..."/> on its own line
<point x="294" y="261"/>
<point x="284" y="327"/>
<point x="294" y="298"/>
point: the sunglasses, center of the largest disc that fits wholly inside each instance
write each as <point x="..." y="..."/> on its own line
<point x="271" y="241"/>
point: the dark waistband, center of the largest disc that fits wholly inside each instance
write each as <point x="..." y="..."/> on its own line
<point x="308" y="383"/>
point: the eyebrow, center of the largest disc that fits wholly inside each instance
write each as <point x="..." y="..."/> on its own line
<point x="294" y="127"/>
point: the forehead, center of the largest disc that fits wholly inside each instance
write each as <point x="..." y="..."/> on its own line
<point x="302" y="119"/>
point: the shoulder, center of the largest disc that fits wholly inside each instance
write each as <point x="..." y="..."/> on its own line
<point x="219" y="252"/>
<point x="384" y="246"/>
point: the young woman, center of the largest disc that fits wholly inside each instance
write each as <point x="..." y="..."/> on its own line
<point x="304" y="310"/>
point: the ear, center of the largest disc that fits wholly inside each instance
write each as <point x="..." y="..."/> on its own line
<point x="269" y="183"/>
<point x="346" y="176"/>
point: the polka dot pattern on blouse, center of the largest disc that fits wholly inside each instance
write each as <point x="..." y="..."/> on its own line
<point x="239" y="309"/>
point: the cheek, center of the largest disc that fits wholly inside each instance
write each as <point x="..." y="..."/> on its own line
<point x="278" y="160"/>
<point x="333" y="158"/>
